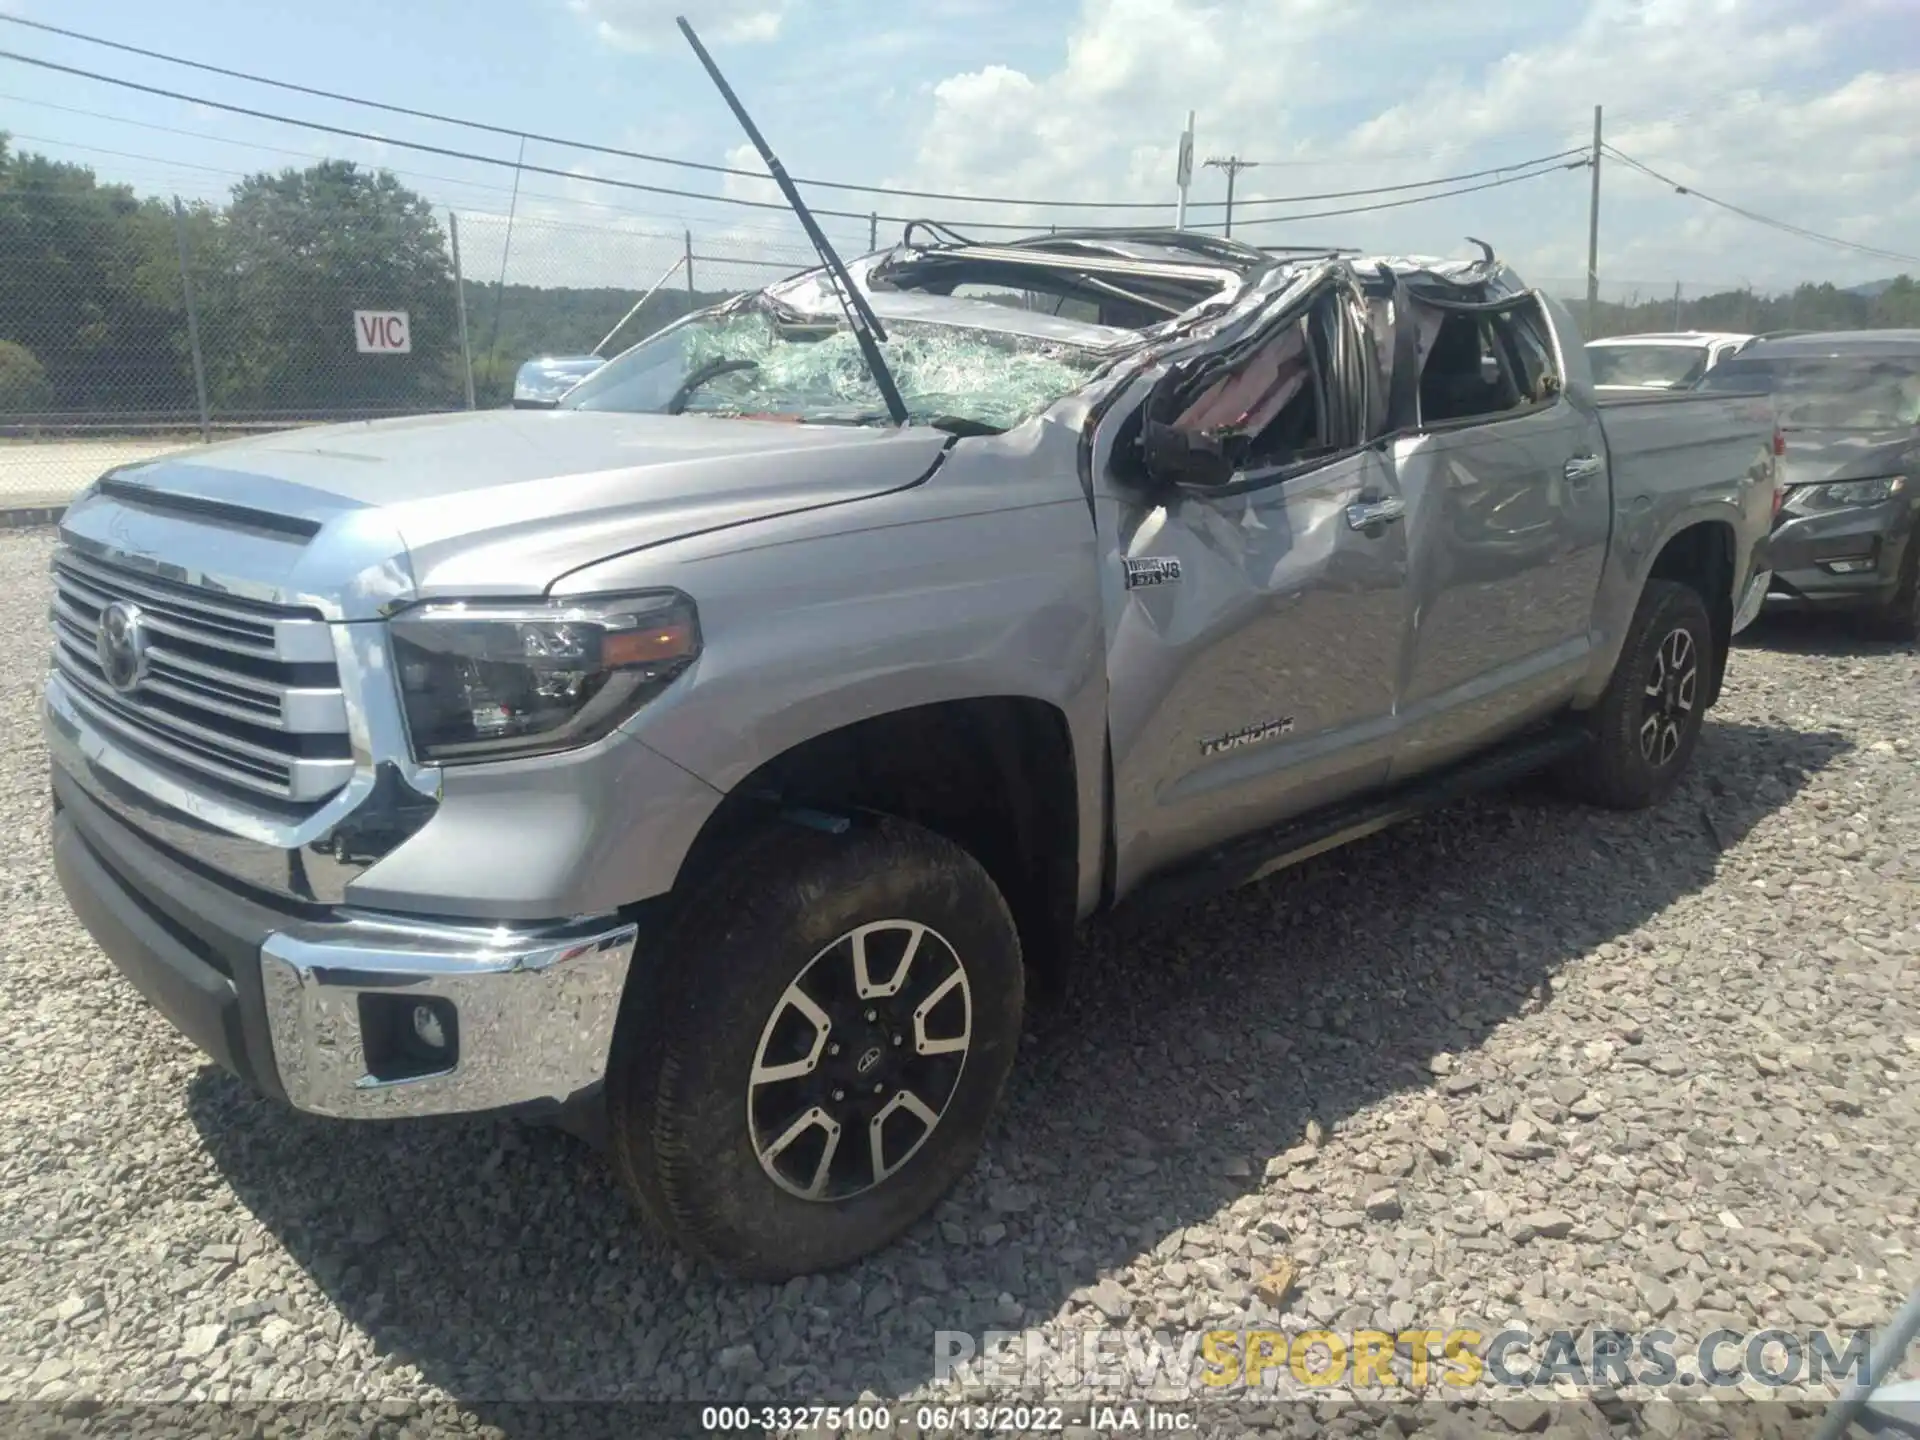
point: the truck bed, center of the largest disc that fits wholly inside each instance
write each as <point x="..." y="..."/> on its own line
<point x="1683" y="439"/>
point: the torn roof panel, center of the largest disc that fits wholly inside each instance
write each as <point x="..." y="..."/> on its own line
<point x="1171" y="286"/>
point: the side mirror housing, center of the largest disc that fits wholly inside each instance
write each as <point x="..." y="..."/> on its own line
<point x="1181" y="457"/>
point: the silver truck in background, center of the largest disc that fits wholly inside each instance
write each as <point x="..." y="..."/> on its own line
<point x="715" y="749"/>
<point x="1625" y="365"/>
<point x="541" y="381"/>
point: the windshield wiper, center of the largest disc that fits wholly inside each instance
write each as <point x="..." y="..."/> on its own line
<point x="865" y="324"/>
<point x="712" y="370"/>
<point x="965" y="427"/>
<point x="957" y="425"/>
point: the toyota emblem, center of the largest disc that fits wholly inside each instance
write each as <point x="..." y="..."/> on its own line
<point x="121" y="646"/>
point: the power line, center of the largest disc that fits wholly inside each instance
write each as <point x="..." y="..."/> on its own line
<point x="1580" y="164"/>
<point x="575" y="176"/>
<point x="422" y="146"/>
<point x="761" y="231"/>
<point x="223" y="170"/>
<point x="1758" y="218"/>
<point x="1381" y="189"/>
<point x="309" y="156"/>
<point x="713" y="169"/>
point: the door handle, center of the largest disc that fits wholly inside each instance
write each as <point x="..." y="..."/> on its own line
<point x="1365" y="514"/>
<point x="1582" y="468"/>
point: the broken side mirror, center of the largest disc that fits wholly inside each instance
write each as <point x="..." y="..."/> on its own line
<point x="1181" y="457"/>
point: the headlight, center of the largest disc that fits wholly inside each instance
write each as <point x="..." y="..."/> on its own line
<point x="485" y="682"/>
<point x="1846" y="492"/>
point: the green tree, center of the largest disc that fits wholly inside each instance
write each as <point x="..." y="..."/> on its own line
<point x="1898" y="306"/>
<point x="23" y="381"/>
<point x="1805" y="307"/>
<point x="87" y="285"/>
<point x="296" y="255"/>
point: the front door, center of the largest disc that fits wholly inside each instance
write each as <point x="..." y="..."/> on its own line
<point x="1254" y="631"/>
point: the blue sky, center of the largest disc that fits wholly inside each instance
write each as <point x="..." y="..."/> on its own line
<point x="1806" y="111"/>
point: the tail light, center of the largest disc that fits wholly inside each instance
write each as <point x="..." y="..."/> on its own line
<point x="1779" y="449"/>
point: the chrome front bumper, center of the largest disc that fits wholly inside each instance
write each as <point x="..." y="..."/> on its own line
<point x="533" y="1014"/>
<point x="314" y="1007"/>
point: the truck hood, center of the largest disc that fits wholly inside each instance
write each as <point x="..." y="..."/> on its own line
<point x="1816" y="455"/>
<point x="505" y="502"/>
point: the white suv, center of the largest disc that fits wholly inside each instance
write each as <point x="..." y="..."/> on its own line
<point x="1628" y="364"/>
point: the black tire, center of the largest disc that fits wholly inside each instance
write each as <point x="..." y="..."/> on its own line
<point x="1641" y="742"/>
<point x="1899" y="618"/>
<point x="683" y="1096"/>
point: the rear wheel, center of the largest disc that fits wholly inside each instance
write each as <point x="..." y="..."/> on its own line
<point x="833" y="1023"/>
<point x="1648" y="721"/>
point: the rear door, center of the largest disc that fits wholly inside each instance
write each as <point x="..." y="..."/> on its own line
<point x="1506" y="482"/>
<point x="1255" y="630"/>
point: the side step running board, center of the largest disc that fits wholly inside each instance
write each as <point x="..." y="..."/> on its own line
<point x="1253" y="857"/>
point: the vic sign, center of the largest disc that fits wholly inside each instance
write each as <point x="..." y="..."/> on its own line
<point x="382" y="332"/>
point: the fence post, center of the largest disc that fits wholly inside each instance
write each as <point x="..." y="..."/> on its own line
<point x="689" y="238"/>
<point x="873" y="230"/>
<point x="460" y="304"/>
<point x="193" y="319"/>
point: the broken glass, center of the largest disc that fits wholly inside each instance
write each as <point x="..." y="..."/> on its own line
<point x="751" y="362"/>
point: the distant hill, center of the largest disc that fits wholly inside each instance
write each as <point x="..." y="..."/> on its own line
<point x="1872" y="289"/>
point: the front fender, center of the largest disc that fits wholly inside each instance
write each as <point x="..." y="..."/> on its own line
<point x="979" y="584"/>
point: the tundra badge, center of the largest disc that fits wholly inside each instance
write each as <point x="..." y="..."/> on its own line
<point x="1252" y="735"/>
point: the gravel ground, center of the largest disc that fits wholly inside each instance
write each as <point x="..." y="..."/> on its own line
<point x="1518" y="1061"/>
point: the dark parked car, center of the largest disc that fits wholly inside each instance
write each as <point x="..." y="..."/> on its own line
<point x="1849" y="407"/>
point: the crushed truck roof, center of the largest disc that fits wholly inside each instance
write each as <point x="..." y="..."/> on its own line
<point x="1143" y="285"/>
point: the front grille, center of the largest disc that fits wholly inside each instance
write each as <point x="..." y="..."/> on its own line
<point x="237" y="693"/>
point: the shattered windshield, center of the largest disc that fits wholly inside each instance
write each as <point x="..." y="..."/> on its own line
<point x="752" y="362"/>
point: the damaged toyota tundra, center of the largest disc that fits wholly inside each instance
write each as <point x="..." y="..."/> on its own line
<point x="729" y="753"/>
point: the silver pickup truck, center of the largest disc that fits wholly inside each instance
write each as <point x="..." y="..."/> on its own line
<point x="733" y="747"/>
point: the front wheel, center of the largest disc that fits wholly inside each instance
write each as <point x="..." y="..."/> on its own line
<point x="1648" y="721"/>
<point x="1899" y="618"/>
<point x="818" y="1062"/>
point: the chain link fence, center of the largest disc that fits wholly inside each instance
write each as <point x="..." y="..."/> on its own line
<point x="132" y="327"/>
<point x="558" y="287"/>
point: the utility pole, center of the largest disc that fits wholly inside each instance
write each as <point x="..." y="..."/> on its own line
<point x="1593" y="232"/>
<point x="193" y="318"/>
<point x="460" y="303"/>
<point x="1233" y="165"/>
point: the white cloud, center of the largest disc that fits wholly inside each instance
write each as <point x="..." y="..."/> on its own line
<point x="738" y="187"/>
<point x="1756" y="101"/>
<point x="648" y="24"/>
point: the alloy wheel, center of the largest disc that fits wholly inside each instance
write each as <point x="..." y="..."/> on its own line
<point x="1670" y="693"/>
<point x="859" y="1060"/>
